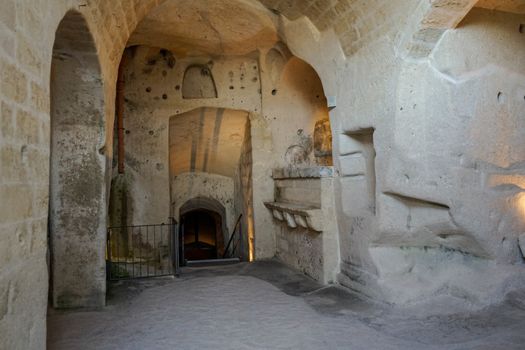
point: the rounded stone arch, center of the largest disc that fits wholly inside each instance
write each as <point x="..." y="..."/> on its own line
<point x="211" y="205"/>
<point x="198" y="83"/>
<point x="77" y="190"/>
<point x="206" y="203"/>
<point x="306" y="40"/>
<point x="303" y="33"/>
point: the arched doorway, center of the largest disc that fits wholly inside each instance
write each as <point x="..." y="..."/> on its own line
<point x="203" y="229"/>
<point x="77" y="224"/>
<point x="202" y="235"/>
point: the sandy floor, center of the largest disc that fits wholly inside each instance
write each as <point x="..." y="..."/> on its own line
<point x="267" y="306"/>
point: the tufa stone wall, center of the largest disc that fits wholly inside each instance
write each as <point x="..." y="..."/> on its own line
<point x="243" y="200"/>
<point x="374" y="88"/>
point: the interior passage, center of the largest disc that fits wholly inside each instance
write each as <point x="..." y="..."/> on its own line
<point x="201" y="229"/>
<point x="260" y="174"/>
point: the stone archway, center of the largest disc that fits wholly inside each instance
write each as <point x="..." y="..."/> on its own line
<point x="77" y="162"/>
<point x="210" y="205"/>
<point x="216" y="210"/>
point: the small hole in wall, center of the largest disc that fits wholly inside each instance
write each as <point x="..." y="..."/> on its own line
<point x="177" y="87"/>
<point x="23" y="153"/>
<point x="501" y="97"/>
<point x="148" y="89"/>
<point x="164" y="97"/>
<point x="274" y="92"/>
<point x="128" y="132"/>
<point x="522" y="28"/>
<point x="231" y="87"/>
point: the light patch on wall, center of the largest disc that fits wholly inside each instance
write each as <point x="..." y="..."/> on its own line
<point x="505" y="180"/>
<point x="520" y="205"/>
<point x="251" y="234"/>
<point x="201" y="141"/>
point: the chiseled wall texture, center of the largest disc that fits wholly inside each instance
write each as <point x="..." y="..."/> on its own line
<point x="26" y="41"/>
<point x="448" y="144"/>
<point x="445" y="118"/>
<point x="153" y="93"/>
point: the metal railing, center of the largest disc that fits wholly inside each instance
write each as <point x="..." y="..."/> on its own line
<point x="234" y="243"/>
<point x="142" y="251"/>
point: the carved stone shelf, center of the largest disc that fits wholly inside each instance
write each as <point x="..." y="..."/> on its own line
<point x="303" y="209"/>
<point x="304" y="172"/>
<point x="297" y="215"/>
<point x="299" y="196"/>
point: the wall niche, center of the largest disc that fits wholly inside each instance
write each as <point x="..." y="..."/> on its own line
<point x="357" y="157"/>
<point x="198" y="83"/>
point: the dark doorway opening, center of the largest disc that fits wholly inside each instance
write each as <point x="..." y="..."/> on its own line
<point x="202" y="235"/>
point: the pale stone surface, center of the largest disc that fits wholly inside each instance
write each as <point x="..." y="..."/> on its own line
<point x="442" y="168"/>
<point x="77" y="224"/>
<point x="221" y="27"/>
<point x="448" y="141"/>
<point x="516" y="6"/>
<point x="251" y="302"/>
<point x="307" y="236"/>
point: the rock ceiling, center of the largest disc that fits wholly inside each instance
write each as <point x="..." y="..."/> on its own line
<point x="203" y="27"/>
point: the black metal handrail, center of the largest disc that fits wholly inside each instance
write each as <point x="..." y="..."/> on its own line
<point x="225" y="255"/>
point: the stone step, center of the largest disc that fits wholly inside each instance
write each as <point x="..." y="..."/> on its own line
<point x="212" y="262"/>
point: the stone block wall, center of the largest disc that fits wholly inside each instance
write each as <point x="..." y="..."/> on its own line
<point x="471" y="79"/>
<point x="26" y="42"/>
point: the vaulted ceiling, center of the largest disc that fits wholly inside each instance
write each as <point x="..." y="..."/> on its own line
<point x="516" y="6"/>
<point x="218" y="27"/>
<point x="207" y="140"/>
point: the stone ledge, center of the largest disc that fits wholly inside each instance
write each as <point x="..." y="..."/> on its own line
<point x="297" y="215"/>
<point x="316" y="172"/>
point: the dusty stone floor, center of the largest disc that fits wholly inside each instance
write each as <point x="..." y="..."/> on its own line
<point x="265" y="305"/>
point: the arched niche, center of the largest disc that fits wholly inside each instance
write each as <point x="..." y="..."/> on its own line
<point x="198" y="83"/>
<point x="77" y="224"/>
<point x="276" y="60"/>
